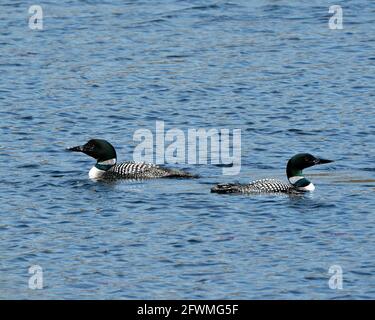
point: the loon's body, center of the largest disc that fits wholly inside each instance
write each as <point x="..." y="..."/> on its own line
<point x="136" y="170"/>
<point x="106" y="166"/>
<point x="297" y="182"/>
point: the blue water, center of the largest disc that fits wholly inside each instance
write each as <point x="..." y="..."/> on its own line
<point x="107" y="68"/>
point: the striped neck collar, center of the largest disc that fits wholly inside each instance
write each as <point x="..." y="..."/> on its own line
<point x="106" y="165"/>
<point x="299" y="182"/>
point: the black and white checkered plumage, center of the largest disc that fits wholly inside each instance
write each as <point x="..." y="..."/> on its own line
<point x="258" y="186"/>
<point x="140" y="170"/>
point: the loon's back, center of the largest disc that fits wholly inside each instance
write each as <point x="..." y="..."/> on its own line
<point x="258" y="186"/>
<point x="134" y="170"/>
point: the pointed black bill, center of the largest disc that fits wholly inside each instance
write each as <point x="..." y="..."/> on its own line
<point x="322" y="161"/>
<point x="75" y="149"/>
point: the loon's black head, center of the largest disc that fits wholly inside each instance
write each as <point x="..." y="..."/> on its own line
<point x="101" y="150"/>
<point x="302" y="161"/>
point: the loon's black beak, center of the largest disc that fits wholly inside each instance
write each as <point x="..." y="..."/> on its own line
<point x="76" y="149"/>
<point x="322" y="161"/>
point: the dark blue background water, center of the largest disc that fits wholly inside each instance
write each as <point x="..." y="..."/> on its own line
<point x="107" y="68"/>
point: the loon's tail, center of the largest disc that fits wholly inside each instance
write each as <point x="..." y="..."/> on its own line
<point x="227" y="188"/>
<point x="172" y="173"/>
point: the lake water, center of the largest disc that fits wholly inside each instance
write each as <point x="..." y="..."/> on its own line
<point x="104" y="69"/>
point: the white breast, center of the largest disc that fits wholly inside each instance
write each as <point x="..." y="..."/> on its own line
<point x="309" y="187"/>
<point x="95" y="173"/>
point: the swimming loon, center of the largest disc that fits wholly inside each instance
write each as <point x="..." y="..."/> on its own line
<point x="297" y="182"/>
<point x="106" y="166"/>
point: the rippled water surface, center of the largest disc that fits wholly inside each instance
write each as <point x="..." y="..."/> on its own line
<point x="107" y="68"/>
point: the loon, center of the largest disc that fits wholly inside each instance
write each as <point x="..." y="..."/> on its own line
<point x="106" y="166"/>
<point x="297" y="182"/>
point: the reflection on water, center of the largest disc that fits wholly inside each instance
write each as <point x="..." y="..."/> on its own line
<point x="356" y="181"/>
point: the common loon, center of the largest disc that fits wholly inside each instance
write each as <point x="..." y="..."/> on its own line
<point x="297" y="182"/>
<point x="106" y="166"/>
